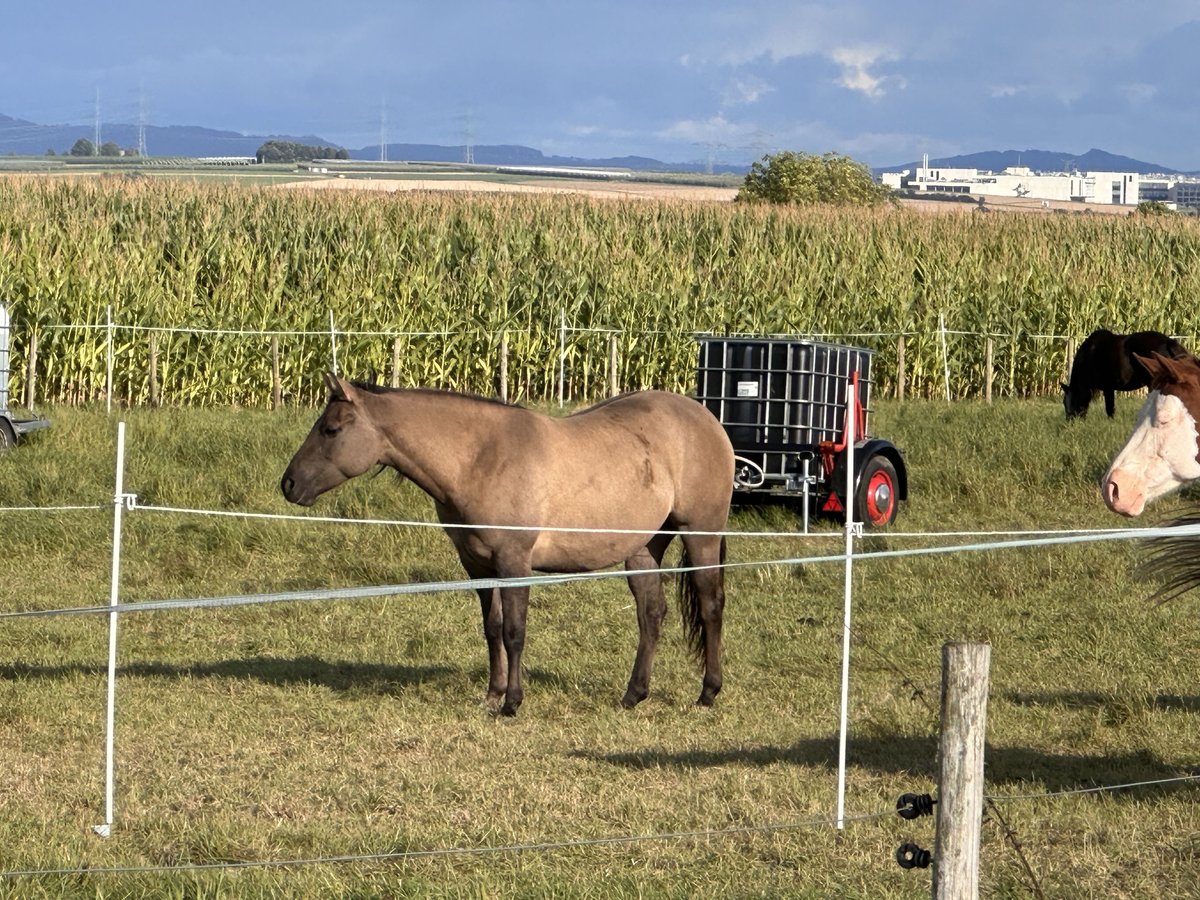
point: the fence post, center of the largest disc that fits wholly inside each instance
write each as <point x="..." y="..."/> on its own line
<point x="31" y="371"/>
<point x="960" y="756"/>
<point x="114" y="599"/>
<point x="614" y="378"/>
<point x="1068" y="358"/>
<point x="562" y="357"/>
<point x="396" y="362"/>
<point x="333" y="342"/>
<point x="900" y="368"/>
<point x="108" y="383"/>
<point x="152" y="342"/>
<point x="988" y="370"/>
<point x="945" y="353"/>
<point x="276" y="384"/>
<point x="504" y="366"/>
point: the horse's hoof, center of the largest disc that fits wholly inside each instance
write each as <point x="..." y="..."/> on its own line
<point x="508" y="710"/>
<point x="632" y="698"/>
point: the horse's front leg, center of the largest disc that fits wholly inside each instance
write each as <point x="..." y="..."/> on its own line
<point x="1110" y="402"/>
<point x="493" y="620"/>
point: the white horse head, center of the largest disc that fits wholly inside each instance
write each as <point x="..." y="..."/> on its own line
<point x="1163" y="453"/>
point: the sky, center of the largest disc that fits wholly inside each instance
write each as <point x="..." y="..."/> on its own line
<point x="883" y="81"/>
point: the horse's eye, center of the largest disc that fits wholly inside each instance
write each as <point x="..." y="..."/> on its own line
<point x="330" y="430"/>
<point x="1164" y="412"/>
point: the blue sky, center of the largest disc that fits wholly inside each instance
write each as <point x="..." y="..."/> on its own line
<point x="881" y="81"/>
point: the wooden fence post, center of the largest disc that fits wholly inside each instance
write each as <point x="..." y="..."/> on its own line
<point x="31" y="371"/>
<point x="900" y="368"/>
<point x="504" y="366"/>
<point x="396" y="362"/>
<point x="152" y="342"/>
<point x="960" y="755"/>
<point x="614" y="377"/>
<point x="276" y="385"/>
<point x="989" y="371"/>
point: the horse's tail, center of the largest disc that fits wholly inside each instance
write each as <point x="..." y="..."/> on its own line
<point x="689" y="602"/>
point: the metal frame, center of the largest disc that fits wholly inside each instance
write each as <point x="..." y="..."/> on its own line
<point x="784" y="402"/>
<point x="19" y="426"/>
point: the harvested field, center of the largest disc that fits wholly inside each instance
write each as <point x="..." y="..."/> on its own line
<point x="591" y="188"/>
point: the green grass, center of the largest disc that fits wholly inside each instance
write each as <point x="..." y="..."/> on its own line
<point x="295" y="731"/>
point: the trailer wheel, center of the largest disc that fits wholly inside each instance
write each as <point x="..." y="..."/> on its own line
<point x="877" y="501"/>
<point x="8" y="438"/>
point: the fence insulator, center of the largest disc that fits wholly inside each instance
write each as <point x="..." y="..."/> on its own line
<point x="913" y="806"/>
<point x="911" y="856"/>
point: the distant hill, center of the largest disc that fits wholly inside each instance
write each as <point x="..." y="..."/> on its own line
<point x="1042" y="161"/>
<point x="23" y="138"/>
<point x="518" y="155"/>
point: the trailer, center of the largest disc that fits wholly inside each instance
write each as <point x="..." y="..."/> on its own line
<point x="785" y="403"/>
<point x="12" y="426"/>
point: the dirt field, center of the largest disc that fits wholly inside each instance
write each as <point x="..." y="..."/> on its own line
<point x="649" y="191"/>
<point x="603" y="189"/>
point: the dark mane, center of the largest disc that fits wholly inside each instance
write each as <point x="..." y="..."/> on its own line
<point x="1173" y="561"/>
<point x="372" y="388"/>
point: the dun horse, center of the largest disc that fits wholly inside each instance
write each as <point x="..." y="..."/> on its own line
<point x="1108" y="362"/>
<point x="619" y="477"/>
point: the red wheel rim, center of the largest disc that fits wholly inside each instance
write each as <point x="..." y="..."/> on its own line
<point x="881" y="498"/>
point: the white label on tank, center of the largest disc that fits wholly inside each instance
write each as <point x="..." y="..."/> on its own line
<point x="747" y="389"/>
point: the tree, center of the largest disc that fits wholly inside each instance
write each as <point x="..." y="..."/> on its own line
<point x="805" y="179"/>
<point x="1153" y="208"/>
<point x="110" y="148"/>
<point x="289" y="151"/>
<point x="83" y="147"/>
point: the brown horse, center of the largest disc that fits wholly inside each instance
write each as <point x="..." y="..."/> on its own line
<point x="620" y="477"/>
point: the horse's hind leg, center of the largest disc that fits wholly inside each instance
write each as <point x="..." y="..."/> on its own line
<point x="493" y="632"/>
<point x="646" y="584"/>
<point x="1110" y="402"/>
<point x="707" y="586"/>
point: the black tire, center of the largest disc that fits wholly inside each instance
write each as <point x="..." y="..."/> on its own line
<point x="877" y="497"/>
<point x="8" y="438"/>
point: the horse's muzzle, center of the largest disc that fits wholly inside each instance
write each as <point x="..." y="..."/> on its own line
<point x="1122" y="494"/>
<point x="288" y="486"/>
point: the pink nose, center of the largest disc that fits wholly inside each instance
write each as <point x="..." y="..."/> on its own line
<point x="1123" y="494"/>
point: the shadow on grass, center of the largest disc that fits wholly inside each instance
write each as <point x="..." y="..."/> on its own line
<point x="1099" y="700"/>
<point x="916" y="757"/>
<point x="272" y="670"/>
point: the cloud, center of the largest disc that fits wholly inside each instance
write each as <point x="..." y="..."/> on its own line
<point x="856" y="63"/>
<point x="745" y="91"/>
<point x="715" y="129"/>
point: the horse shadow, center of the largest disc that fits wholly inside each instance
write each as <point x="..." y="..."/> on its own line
<point x="915" y="757"/>
<point x="1104" y="702"/>
<point x="339" y="676"/>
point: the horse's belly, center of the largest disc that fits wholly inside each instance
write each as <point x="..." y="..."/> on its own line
<point x="577" y="552"/>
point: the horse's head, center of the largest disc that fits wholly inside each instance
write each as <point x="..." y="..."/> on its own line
<point x="1161" y="454"/>
<point x="1075" y="405"/>
<point x="342" y="444"/>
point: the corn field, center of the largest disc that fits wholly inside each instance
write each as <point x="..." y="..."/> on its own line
<point x="431" y="283"/>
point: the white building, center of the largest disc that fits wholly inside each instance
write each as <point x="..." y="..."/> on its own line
<point x="1108" y="188"/>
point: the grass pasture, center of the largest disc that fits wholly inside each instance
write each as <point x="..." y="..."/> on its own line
<point x="299" y="731"/>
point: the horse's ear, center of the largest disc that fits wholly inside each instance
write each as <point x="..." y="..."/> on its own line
<point x="338" y="388"/>
<point x="1164" y="369"/>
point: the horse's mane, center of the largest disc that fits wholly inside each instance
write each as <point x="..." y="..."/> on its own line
<point x="372" y="388"/>
<point x="1174" y="561"/>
